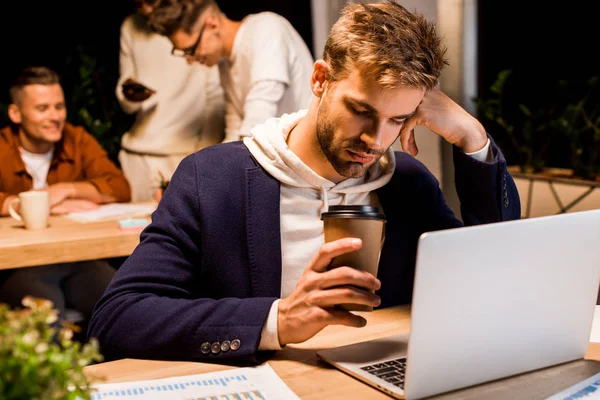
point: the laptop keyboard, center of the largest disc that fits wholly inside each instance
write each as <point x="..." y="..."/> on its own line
<point x="391" y="371"/>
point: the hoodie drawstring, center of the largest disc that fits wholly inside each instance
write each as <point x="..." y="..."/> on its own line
<point x="325" y="198"/>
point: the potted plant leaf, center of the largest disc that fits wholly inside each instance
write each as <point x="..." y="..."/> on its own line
<point x="39" y="360"/>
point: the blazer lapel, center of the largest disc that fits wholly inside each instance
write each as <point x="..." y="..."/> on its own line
<point x="263" y="232"/>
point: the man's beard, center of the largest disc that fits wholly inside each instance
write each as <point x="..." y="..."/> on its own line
<point x="333" y="151"/>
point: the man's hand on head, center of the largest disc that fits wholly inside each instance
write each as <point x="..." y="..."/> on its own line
<point x="444" y="117"/>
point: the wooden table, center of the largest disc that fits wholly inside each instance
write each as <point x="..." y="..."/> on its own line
<point x="312" y="379"/>
<point x="64" y="240"/>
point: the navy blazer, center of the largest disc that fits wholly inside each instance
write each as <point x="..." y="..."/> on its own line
<point x="208" y="267"/>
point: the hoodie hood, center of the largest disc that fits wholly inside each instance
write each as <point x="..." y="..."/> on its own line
<point x="268" y="146"/>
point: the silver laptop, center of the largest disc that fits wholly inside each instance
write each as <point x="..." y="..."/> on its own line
<point x="489" y="301"/>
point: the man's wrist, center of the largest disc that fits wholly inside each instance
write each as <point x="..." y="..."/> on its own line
<point x="475" y="140"/>
<point x="280" y="328"/>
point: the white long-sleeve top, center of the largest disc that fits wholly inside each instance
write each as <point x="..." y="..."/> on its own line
<point x="268" y="73"/>
<point x="187" y="111"/>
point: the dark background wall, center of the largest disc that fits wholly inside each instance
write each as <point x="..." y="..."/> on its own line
<point x="543" y="42"/>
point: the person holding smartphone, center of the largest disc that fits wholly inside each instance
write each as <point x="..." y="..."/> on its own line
<point x="179" y="108"/>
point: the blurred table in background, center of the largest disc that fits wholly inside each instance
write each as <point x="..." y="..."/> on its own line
<point x="65" y="240"/>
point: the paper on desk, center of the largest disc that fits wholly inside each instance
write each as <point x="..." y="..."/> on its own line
<point x="595" y="334"/>
<point x="586" y="389"/>
<point x="259" y="382"/>
<point x="112" y="211"/>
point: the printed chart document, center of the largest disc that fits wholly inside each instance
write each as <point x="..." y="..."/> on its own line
<point x="586" y="389"/>
<point x="249" y="383"/>
<point x="111" y="211"/>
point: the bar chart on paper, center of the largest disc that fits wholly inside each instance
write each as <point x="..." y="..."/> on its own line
<point x="250" y="383"/>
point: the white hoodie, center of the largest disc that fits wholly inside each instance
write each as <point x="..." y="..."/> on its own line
<point x="304" y="195"/>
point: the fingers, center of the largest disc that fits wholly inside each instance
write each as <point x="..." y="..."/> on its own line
<point x="407" y="137"/>
<point x="330" y="250"/>
<point x="341" y="317"/>
<point x="348" y="276"/>
<point x="344" y="295"/>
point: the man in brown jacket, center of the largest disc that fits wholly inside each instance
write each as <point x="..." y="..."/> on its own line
<point x="41" y="151"/>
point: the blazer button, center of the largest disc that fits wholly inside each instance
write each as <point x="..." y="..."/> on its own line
<point x="205" y="348"/>
<point x="215" y="348"/>
<point x="235" y="344"/>
<point x="225" y="345"/>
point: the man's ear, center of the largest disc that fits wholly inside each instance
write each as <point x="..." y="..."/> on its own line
<point x="14" y="114"/>
<point x="213" y="21"/>
<point x="318" y="80"/>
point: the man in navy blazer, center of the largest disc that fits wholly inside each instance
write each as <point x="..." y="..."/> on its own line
<point x="234" y="265"/>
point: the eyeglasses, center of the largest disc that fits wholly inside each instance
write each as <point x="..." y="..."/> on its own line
<point x="190" y="51"/>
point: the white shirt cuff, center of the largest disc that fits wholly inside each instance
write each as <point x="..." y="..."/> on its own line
<point x="269" y="337"/>
<point x="483" y="155"/>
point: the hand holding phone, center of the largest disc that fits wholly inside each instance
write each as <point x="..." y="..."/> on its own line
<point x="135" y="91"/>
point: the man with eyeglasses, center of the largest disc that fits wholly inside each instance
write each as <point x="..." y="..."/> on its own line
<point x="264" y="63"/>
<point x="179" y="108"/>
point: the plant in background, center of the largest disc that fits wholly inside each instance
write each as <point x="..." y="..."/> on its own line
<point x="529" y="129"/>
<point x="560" y="129"/>
<point x="38" y="360"/>
<point x="87" y="84"/>
<point x="580" y="123"/>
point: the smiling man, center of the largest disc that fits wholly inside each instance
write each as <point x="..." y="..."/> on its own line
<point x="263" y="62"/>
<point x="41" y="151"/>
<point x="234" y="262"/>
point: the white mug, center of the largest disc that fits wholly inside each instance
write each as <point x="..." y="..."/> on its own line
<point x="34" y="209"/>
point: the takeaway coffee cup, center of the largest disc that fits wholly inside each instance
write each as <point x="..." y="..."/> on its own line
<point x="34" y="209"/>
<point x="360" y="221"/>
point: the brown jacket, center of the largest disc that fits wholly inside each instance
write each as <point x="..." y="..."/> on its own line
<point x="78" y="157"/>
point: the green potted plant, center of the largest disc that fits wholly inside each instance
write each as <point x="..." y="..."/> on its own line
<point x="557" y="134"/>
<point x="39" y="360"/>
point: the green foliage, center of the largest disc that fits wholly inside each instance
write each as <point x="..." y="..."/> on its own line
<point x="561" y="129"/>
<point x="580" y="123"/>
<point x="91" y="101"/>
<point x="38" y="361"/>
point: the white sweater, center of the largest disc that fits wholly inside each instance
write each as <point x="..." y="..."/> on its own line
<point x="187" y="111"/>
<point x="267" y="75"/>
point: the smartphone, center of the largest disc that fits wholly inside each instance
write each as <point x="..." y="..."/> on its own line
<point x="135" y="86"/>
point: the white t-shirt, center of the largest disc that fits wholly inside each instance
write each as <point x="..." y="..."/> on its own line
<point x="268" y="74"/>
<point x="187" y="111"/>
<point x="37" y="165"/>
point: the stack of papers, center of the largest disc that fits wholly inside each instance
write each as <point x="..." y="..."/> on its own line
<point x="241" y="383"/>
<point x="112" y="211"/>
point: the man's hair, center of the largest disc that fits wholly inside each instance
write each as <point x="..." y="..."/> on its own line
<point x="387" y="43"/>
<point x="169" y="16"/>
<point x="32" y="76"/>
